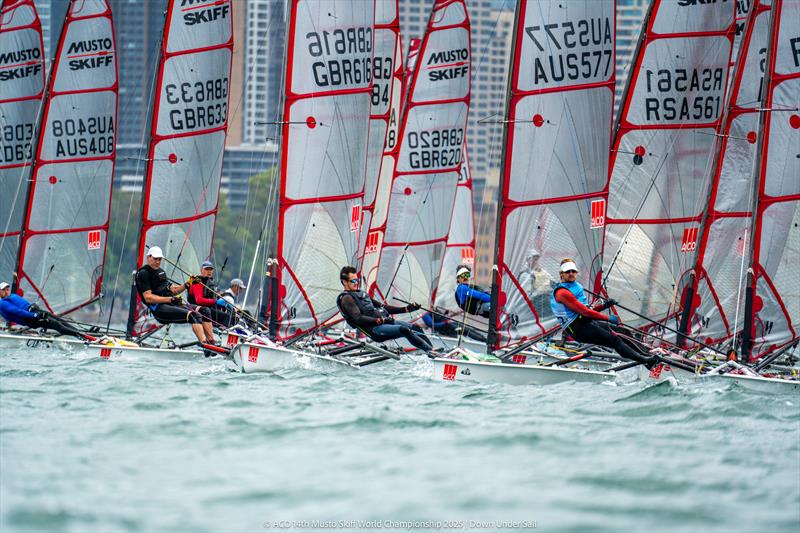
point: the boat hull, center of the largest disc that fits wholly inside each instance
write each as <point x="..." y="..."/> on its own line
<point x="513" y="374"/>
<point x="762" y="384"/>
<point x="250" y="358"/>
<point x="11" y="341"/>
<point x="141" y="352"/>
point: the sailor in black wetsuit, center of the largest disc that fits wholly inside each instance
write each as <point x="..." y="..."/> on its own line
<point x="161" y="297"/>
<point x="374" y="318"/>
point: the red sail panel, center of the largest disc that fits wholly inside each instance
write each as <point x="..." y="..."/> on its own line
<point x="555" y="171"/>
<point x="66" y="225"/>
<point x="430" y="157"/>
<point x="22" y="78"/>
<point x="775" y="285"/>
<point x="663" y="153"/>
<point x="460" y="248"/>
<point x="324" y="156"/>
<point x="715" y="312"/>
<point x="384" y="121"/>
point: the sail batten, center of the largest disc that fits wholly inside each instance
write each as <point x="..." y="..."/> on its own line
<point x="552" y="197"/>
<point x="64" y="232"/>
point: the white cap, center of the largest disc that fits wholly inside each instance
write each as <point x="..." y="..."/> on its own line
<point x="462" y="270"/>
<point x="236" y="282"/>
<point x="4" y="285"/>
<point x="569" y="265"/>
<point x="155" y="252"/>
<point x="533" y="252"/>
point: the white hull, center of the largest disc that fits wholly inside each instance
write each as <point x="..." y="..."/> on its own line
<point x="136" y="352"/>
<point x="261" y="358"/>
<point x="761" y="384"/>
<point x="11" y="341"/>
<point x="513" y="374"/>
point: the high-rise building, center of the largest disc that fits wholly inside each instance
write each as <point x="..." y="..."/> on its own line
<point x="630" y="14"/>
<point x="265" y="36"/>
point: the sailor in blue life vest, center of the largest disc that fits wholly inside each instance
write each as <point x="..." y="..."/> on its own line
<point x="471" y="298"/>
<point x="440" y="322"/>
<point x="17" y="309"/>
<point x="374" y="318"/>
<point x="585" y="324"/>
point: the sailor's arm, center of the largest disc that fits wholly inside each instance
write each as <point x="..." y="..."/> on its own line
<point x="151" y="298"/>
<point x="563" y="296"/>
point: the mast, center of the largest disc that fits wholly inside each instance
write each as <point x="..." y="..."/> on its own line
<point x="430" y="156"/>
<point x="772" y="299"/>
<point x="552" y="194"/>
<point x="63" y="242"/>
<point x="187" y="133"/>
<point x="513" y="68"/>
<point x="24" y="85"/>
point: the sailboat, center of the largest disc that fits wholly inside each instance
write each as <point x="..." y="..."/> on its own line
<point x="65" y="208"/>
<point x="186" y="144"/>
<point x="324" y="155"/>
<point x="587" y="209"/>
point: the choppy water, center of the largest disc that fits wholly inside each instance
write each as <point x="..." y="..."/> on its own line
<point x="94" y="445"/>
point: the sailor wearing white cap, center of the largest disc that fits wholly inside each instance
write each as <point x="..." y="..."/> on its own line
<point x="535" y="280"/>
<point x="161" y="296"/>
<point x="471" y="298"/>
<point x="586" y="324"/>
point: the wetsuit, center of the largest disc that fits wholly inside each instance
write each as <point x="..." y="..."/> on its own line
<point x="473" y="300"/>
<point x="200" y="294"/>
<point x="445" y="326"/>
<point x="17" y="309"/>
<point x="155" y="280"/>
<point x="570" y="305"/>
<point x="374" y="319"/>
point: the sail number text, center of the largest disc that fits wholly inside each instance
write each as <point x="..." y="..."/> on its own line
<point x="84" y="136"/>
<point x="199" y="105"/>
<point x="592" y="59"/>
<point x="703" y="101"/>
<point x="435" y="149"/>
<point x="17" y="142"/>
<point x="333" y="70"/>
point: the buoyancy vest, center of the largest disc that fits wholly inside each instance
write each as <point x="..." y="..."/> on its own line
<point x="207" y="292"/>
<point x="565" y="315"/>
<point x="365" y="305"/>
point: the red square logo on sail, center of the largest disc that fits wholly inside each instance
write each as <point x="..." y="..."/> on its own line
<point x="519" y="359"/>
<point x="231" y="339"/>
<point x="252" y="355"/>
<point x="449" y="372"/>
<point x="94" y="239"/>
<point x="598" y="214"/>
<point x="689" y="243"/>
<point x="105" y="353"/>
<point x="468" y="255"/>
<point x="372" y="243"/>
<point x="355" y="217"/>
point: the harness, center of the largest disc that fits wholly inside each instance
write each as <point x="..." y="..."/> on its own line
<point x="365" y="305"/>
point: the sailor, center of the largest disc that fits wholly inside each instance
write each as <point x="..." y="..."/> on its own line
<point x="585" y="324"/>
<point x="201" y="293"/>
<point x="161" y="297"/>
<point x="536" y="280"/>
<point x="17" y="309"/>
<point x="471" y="298"/>
<point x="233" y="291"/>
<point x="374" y="318"/>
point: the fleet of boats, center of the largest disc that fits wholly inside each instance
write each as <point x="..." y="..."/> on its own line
<point x="683" y="205"/>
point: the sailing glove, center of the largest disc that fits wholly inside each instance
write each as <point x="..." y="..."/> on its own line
<point x="387" y="320"/>
<point x="222" y="303"/>
<point x="176" y="300"/>
<point x="609" y="303"/>
<point x="413" y="307"/>
<point x="614" y="319"/>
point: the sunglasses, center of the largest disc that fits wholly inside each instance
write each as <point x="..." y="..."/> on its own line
<point x="571" y="272"/>
<point x="354" y="281"/>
